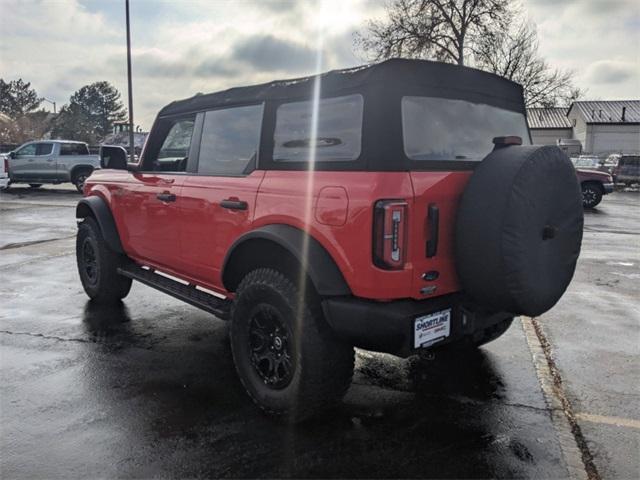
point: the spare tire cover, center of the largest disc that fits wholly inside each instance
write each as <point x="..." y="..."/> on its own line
<point x="519" y="229"/>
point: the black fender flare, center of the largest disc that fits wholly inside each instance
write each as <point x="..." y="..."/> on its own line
<point x="96" y="207"/>
<point x="320" y="266"/>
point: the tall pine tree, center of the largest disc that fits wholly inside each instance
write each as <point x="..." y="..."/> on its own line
<point x="90" y="113"/>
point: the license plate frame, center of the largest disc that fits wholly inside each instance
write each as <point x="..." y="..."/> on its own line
<point x="431" y="328"/>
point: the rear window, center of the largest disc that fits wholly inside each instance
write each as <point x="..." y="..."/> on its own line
<point x="444" y="129"/>
<point x="74" y="149"/>
<point x="339" y="131"/>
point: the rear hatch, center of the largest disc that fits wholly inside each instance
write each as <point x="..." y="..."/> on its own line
<point x="444" y="140"/>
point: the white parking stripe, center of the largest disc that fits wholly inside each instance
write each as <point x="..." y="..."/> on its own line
<point x="607" y="420"/>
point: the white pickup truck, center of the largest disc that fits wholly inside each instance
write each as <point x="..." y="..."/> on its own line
<point x="4" y="172"/>
<point x="52" y="161"/>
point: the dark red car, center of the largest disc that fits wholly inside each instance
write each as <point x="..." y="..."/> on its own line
<point x="594" y="185"/>
<point x="390" y="207"/>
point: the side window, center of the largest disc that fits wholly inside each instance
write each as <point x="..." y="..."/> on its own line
<point x="339" y="130"/>
<point x="73" y="149"/>
<point x="27" y="150"/>
<point x="169" y="145"/>
<point x="44" y="148"/>
<point x="230" y="140"/>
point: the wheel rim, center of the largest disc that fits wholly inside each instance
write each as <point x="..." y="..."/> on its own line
<point x="588" y="197"/>
<point x="80" y="181"/>
<point x="89" y="261"/>
<point x="270" y="347"/>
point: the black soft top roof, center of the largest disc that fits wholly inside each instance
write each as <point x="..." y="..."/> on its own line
<point x="391" y="78"/>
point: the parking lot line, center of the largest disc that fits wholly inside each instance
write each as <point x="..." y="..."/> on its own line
<point x="608" y="420"/>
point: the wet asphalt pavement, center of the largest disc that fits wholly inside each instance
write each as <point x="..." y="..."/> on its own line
<point x="148" y="389"/>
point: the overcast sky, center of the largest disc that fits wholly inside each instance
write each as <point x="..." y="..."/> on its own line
<point x="188" y="46"/>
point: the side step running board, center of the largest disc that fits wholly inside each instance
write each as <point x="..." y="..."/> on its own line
<point x="221" y="308"/>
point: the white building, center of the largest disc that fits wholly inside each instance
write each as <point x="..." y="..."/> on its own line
<point x="548" y="125"/>
<point x="602" y="127"/>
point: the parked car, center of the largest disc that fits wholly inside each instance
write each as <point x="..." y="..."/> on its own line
<point x="594" y="186"/>
<point x="591" y="162"/>
<point x="413" y="215"/>
<point x="4" y="172"/>
<point x="52" y="161"/>
<point x="628" y="169"/>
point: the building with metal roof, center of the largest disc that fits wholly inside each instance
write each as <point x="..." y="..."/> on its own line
<point x="624" y="112"/>
<point x="605" y="127"/>
<point x="549" y="125"/>
<point x="601" y="127"/>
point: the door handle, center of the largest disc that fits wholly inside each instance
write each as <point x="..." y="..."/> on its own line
<point x="234" y="204"/>
<point x="433" y="217"/>
<point x="166" y="197"/>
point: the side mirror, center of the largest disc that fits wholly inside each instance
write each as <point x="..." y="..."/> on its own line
<point x="113" y="157"/>
<point x="12" y="154"/>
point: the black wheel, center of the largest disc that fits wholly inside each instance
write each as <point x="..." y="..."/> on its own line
<point x="80" y="178"/>
<point x="288" y="360"/>
<point x="98" y="265"/>
<point x="591" y="195"/>
<point x="35" y="185"/>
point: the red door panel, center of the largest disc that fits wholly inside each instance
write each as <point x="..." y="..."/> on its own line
<point x="215" y="212"/>
<point x="148" y="209"/>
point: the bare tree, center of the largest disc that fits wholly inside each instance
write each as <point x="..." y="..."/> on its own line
<point x="483" y="33"/>
<point x="513" y="54"/>
<point x="444" y="30"/>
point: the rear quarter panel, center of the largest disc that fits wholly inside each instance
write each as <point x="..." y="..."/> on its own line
<point x="290" y="197"/>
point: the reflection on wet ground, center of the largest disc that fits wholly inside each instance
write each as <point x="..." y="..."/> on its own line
<point x="147" y="388"/>
<point x="156" y="405"/>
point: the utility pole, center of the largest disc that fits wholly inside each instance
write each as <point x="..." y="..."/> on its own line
<point x="131" y="144"/>
<point x="52" y="102"/>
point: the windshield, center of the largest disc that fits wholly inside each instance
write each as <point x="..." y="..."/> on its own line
<point x="587" y="162"/>
<point x="445" y="129"/>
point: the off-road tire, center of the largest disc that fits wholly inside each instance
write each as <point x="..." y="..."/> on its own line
<point x="322" y="364"/>
<point x="35" y="185"/>
<point x="591" y="195"/>
<point x="80" y="177"/>
<point x="102" y="284"/>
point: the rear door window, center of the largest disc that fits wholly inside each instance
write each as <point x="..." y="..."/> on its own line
<point x="338" y="135"/>
<point x="73" y="149"/>
<point x="230" y="141"/>
<point x="445" y="129"/>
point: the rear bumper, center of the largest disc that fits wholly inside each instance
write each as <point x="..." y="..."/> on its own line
<point x="608" y="187"/>
<point x="389" y="326"/>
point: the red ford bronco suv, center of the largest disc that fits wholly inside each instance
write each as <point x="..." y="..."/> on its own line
<point x="390" y="207"/>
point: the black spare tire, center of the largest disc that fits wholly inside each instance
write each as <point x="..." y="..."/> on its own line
<point x="519" y="229"/>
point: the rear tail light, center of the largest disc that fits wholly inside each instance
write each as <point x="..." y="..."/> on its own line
<point x="390" y="234"/>
<point x="6" y="165"/>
